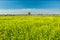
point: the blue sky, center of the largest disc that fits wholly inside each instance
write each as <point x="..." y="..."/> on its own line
<point x="33" y="6"/>
<point x="16" y="4"/>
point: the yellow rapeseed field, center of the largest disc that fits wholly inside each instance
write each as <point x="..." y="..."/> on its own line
<point x="29" y="27"/>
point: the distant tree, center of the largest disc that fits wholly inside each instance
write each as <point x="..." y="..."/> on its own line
<point x="29" y="13"/>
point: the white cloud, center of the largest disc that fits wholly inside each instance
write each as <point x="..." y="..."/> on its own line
<point x="33" y="11"/>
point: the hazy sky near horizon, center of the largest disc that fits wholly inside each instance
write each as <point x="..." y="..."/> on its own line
<point x="27" y="5"/>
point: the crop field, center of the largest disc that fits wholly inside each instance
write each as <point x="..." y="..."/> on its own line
<point x="29" y="27"/>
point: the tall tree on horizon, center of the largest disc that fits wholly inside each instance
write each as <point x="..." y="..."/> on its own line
<point x="29" y="13"/>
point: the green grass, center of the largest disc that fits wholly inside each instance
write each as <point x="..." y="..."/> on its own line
<point x="29" y="27"/>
